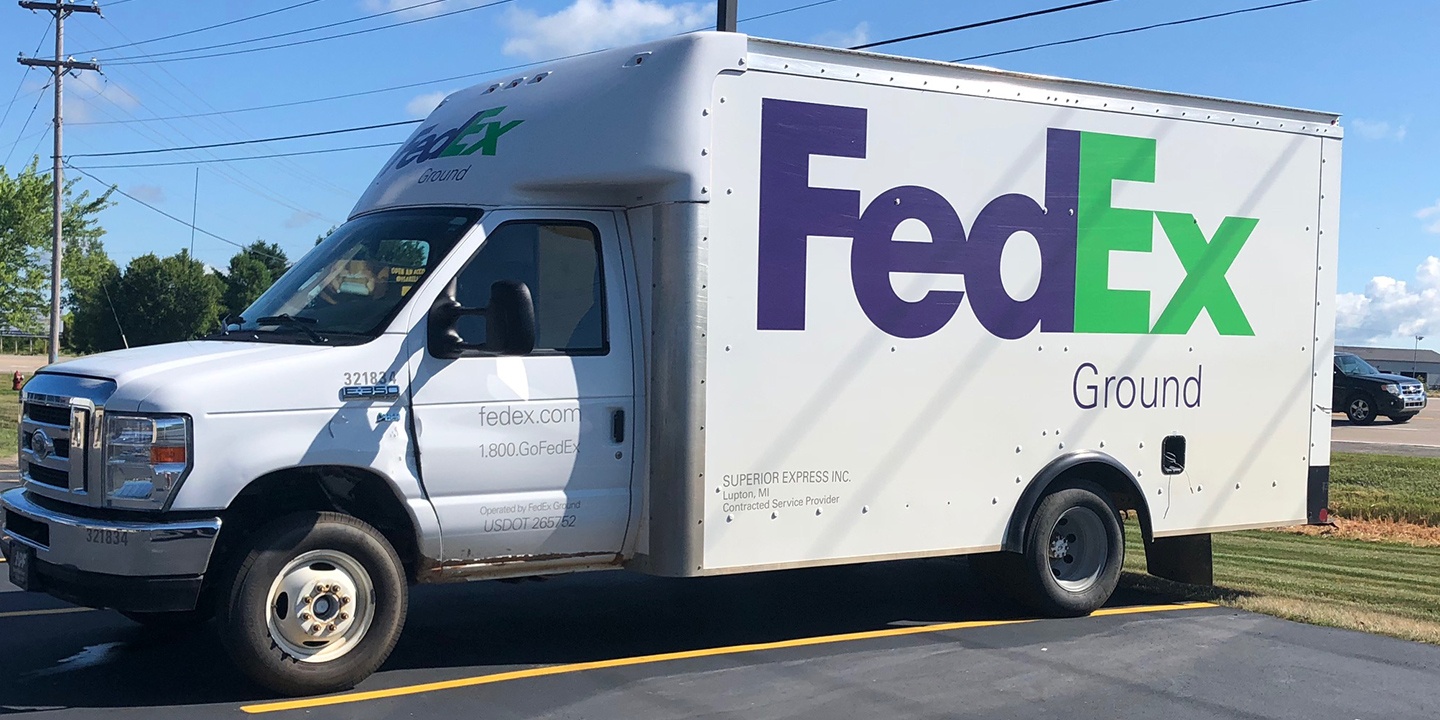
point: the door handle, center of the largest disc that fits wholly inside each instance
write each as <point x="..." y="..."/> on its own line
<point x="617" y="426"/>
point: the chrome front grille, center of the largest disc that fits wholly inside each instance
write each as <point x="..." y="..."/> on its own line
<point x="1413" y="394"/>
<point x="59" y="436"/>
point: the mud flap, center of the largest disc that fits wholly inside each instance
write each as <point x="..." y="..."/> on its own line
<point x="1184" y="559"/>
<point x="1317" y="496"/>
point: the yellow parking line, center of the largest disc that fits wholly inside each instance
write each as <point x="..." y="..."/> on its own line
<point x="307" y="703"/>
<point x="51" y="611"/>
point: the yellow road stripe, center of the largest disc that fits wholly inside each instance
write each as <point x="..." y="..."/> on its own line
<point x="667" y="657"/>
<point x="51" y="611"/>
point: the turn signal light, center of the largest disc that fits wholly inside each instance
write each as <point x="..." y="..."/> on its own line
<point x="161" y="455"/>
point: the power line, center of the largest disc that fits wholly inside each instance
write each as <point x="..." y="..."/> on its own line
<point x="38" y="97"/>
<point x="983" y="23"/>
<point x="1134" y="30"/>
<point x="20" y="85"/>
<point x="247" y="157"/>
<point x="249" y="142"/>
<point x="786" y="10"/>
<point x="320" y="99"/>
<point x="197" y="30"/>
<point x="405" y="86"/>
<point x="192" y="226"/>
<point x="159" y="57"/>
<point x="242" y="133"/>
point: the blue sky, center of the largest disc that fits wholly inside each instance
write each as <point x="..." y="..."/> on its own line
<point x="1371" y="60"/>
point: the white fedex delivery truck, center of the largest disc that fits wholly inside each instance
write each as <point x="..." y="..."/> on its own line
<point x="717" y="304"/>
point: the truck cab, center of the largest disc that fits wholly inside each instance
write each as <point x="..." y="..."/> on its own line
<point x="1364" y="393"/>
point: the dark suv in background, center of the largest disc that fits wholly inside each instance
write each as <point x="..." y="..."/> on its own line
<point x="1362" y="392"/>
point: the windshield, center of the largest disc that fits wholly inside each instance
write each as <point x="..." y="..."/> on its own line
<point x="1353" y="365"/>
<point x="354" y="282"/>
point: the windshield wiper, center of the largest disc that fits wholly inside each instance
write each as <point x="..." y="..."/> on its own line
<point x="288" y="320"/>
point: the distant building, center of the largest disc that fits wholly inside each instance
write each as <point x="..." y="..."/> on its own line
<point x="1421" y="364"/>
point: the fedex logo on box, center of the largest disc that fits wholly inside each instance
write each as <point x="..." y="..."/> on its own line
<point x="1075" y="227"/>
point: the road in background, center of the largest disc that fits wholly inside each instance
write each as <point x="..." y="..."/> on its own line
<point x="26" y="364"/>
<point x="1420" y="437"/>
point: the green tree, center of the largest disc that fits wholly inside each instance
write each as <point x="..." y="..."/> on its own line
<point x="161" y="300"/>
<point x="251" y="272"/>
<point x="90" y="275"/>
<point x="92" y="325"/>
<point x="25" y="242"/>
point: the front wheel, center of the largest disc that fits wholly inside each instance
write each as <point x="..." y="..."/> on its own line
<point x="1074" y="550"/>
<point x="315" y="606"/>
<point x="1360" y="410"/>
<point x="1400" y="419"/>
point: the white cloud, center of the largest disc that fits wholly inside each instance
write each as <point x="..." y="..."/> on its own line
<point x="1391" y="310"/>
<point x="92" y="96"/>
<point x="1377" y="129"/>
<point x="421" y="105"/>
<point x="153" y="194"/>
<point x="594" y="24"/>
<point x="859" y="35"/>
<point x="299" y="219"/>
<point x="1432" y="217"/>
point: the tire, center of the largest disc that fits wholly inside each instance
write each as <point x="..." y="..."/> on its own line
<point x="170" y="622"/>
<point x="1078" y="521"/>
<point x="315" y="606"/>
<point x="1400" y="419"/>
<point x="1360" y="409"/>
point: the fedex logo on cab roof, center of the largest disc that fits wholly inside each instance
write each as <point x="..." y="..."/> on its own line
<point x="1075" y="227"/>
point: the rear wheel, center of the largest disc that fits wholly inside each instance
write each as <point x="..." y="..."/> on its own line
<point x="1074" y="550"/>
<point x="315" y="606"/>
<point x="1360" y="410"/>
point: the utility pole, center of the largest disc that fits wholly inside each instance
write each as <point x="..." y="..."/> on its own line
<point x="725" y="19"/>
<point x="59" y="66"/>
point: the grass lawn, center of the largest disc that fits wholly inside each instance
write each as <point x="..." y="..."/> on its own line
<point x="1386" y="587"/>
<point x="9" y="414"/>
<point x="1379" y="587"/>
<point x="1385" y="487"/>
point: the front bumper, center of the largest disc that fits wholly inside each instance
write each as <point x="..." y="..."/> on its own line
<point x="1401" y="405"/>
<point x="141" y="566"/>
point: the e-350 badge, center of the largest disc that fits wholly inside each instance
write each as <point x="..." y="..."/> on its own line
<point x="369" y="392"/>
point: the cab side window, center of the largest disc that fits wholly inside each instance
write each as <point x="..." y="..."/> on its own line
<point x="560" y="263"/>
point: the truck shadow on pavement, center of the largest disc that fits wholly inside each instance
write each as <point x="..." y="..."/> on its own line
<point x="100" y="660"/>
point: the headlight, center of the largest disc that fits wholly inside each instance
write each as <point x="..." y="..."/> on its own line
<point x="146" y="457"/>
<point x="1393" y="389"/>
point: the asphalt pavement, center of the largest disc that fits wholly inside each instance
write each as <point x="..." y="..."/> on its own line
<point x="1419" y="437"/>
<point x="914" y="639"/>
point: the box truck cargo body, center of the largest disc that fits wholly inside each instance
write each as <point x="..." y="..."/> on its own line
<point x="712" y="305"/>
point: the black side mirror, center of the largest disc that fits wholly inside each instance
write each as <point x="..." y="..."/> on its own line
<point x="510" y="319"/>
<point x="509" y="322"/>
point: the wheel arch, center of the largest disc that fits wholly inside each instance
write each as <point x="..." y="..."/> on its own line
<point x="1097" y="467"/>
<point x="355" y="491"/>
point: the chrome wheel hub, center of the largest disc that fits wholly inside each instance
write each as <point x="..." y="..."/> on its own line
<point x="320" y="606"/>
<point x="1079" y="549"/>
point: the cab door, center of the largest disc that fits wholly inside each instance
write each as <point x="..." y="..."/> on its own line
<point x="530" y="456"/>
